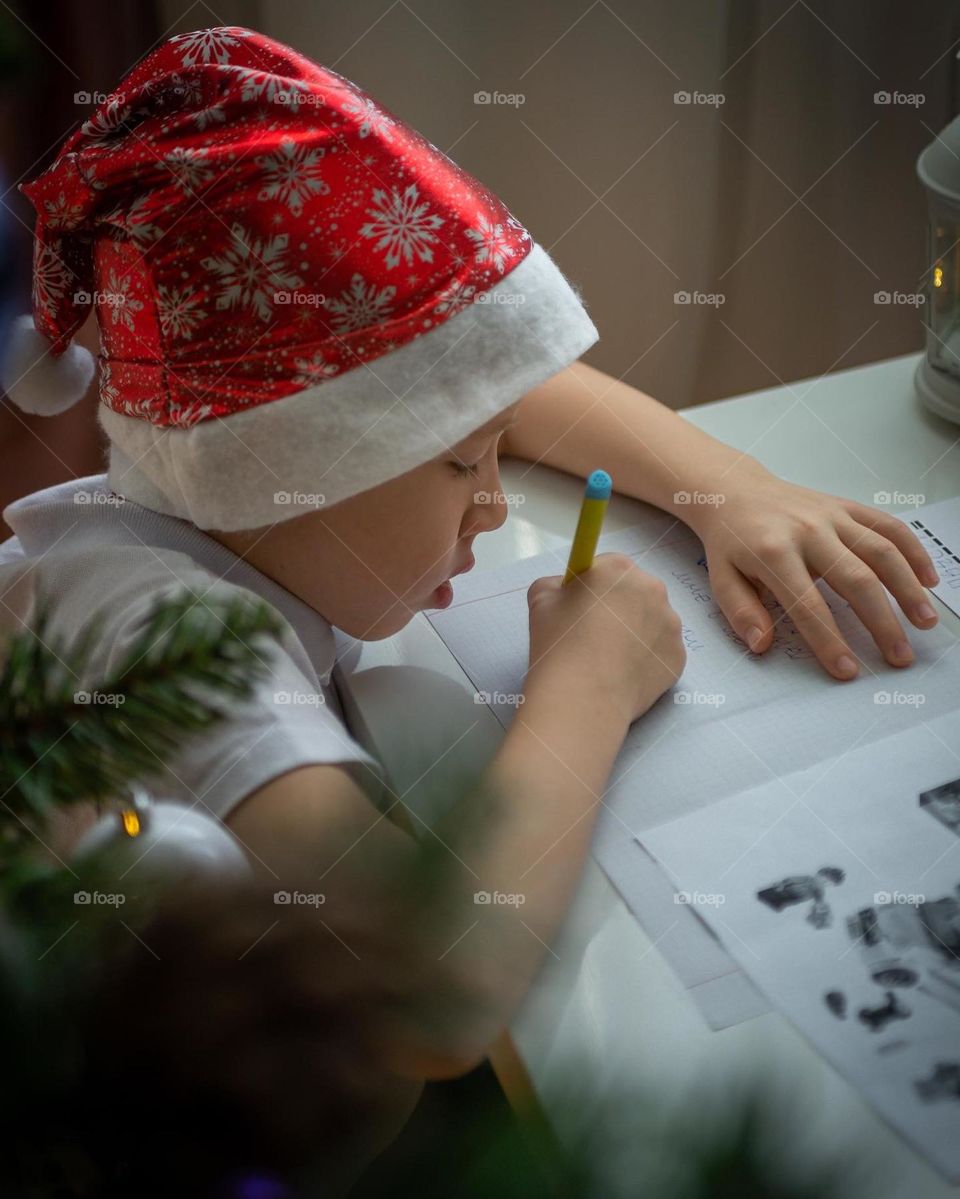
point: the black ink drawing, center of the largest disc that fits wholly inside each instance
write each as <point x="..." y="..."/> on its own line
<point x="943" y="1083"/>
<point x="877" y="1018"/>
<point x="912" y="945"/>
<point x="836" y="1001"/>
<point x="943" y="804"/>
<point x="800" y="887"/>
<point x="901" y="941"/>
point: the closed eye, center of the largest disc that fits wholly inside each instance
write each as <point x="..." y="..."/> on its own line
<point x="462" y="469"/>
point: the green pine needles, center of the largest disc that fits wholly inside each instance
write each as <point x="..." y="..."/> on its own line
<point x="65" y="739"/>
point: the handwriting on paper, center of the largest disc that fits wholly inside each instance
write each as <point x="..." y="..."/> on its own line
<point x="786" y="635"/>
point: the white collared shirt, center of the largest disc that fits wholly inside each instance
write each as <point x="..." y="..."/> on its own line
<point x="92" y="551"/>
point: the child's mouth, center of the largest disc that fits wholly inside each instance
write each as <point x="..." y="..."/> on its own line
<point x="442" y="596"/>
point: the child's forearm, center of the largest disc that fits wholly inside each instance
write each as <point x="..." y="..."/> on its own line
<point x="552" y="767"/>
<point x="582" y="418"/>
<point x="522" y="831"/>
<point x="534" y="809"/>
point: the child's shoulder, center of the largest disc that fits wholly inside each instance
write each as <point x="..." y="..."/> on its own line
<point x="119" y="582"/>
<point x="288" y="719"/>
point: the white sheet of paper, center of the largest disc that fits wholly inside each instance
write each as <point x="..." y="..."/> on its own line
<point x="733" y="721"/>
<point x="722" y="991"/>
<point x="892" y="925"/>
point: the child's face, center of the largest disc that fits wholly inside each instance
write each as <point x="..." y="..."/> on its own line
<point x="370" y="562"/>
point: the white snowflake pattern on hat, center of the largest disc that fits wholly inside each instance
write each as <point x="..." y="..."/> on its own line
<point x="183" y="91"/>
<point x="403" y="226"/>
<point x="108" y="392"/>
<point x="493" y="243"/>
<point x="314" y="369"/>
<point x="136" y="221"/>
<point x="121" y="304"/>
<point x="455" y="297"/>
<point x="373" y="120"/>
<point x="61" y="214"/>
<point x="108" y="122"/>
<point x="214" y="115"/>
<point x="51" y="279"/>
<point x="178" y="311"/>
<point x="190" y="168"/>
<point x="262" y="85"/>
<point x="251" y="271"/>
<point x="141" y="408"/>
<point x="361" y="305"/>
<point x="204" y="45"/>
<point x="292" y="175"/>
<point x="188" y="415"/>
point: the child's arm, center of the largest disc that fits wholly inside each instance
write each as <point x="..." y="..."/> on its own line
<point x="602" y="651"/>
<point x="458" y="970"/>
<point x="758" y="531"/>
<point x="582" y="415"/>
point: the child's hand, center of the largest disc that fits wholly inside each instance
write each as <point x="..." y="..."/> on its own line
<point x="610" y="630"/>
<point x="769" y="534"/>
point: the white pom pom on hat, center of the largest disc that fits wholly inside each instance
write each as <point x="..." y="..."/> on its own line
<point x="38" y="381"/>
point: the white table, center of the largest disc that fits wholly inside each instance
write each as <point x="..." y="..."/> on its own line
<point x="605" y="998"/>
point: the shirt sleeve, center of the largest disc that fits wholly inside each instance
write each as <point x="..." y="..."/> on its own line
<point x="286" y="723"/>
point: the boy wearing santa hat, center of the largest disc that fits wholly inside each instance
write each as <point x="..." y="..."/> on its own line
<point x="316" y="334"/>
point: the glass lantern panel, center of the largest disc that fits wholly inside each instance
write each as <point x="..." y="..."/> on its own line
<point x="943" y="295"/>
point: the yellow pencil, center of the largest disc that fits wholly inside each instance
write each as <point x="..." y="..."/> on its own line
<point x="596" y="497"/>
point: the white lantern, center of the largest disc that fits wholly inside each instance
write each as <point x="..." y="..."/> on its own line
<point x="938" y="374"/>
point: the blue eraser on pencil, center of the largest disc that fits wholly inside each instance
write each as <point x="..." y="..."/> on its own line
<point x="599" y="485"/>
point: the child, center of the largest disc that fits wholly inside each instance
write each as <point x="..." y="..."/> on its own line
<point x="317" y="332"/>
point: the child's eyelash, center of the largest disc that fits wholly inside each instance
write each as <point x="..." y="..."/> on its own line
<point x="462" y="468"/>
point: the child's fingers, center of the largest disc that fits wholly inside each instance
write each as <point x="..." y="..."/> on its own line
<point x="902" y="537"/>
<point x="740" y="604"/>
<point x="799" y="596"/>
<point x="851" y="577"/>
<point x="893" y="570"/>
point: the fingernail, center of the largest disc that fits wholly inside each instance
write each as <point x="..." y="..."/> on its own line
<point x="925" y="611"/>
<point x="846" y="666"/>
<point x="902" y="651"/>
<point x="753" y="638"/>
<point x="932" y="577"/>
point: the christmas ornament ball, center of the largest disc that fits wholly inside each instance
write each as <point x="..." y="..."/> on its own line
<point x="168" y="840"/>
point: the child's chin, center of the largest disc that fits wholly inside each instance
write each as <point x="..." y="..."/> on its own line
<point x="399" y="615"/>
<point x="392" y="622"/>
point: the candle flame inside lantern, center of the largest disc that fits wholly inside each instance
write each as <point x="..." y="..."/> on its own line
<point x="130" y="821"/>
<point x="938" y="276"/>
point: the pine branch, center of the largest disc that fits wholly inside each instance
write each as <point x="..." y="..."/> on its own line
<point x="60" y="746"/>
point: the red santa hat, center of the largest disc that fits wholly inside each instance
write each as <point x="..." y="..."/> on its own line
<point x="296" y="292"/>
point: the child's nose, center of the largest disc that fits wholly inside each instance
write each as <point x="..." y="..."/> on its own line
<point x="490" y="509"/>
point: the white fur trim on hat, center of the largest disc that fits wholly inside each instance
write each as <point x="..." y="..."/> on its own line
<point x="37" y="381"/>
<point x="371" y="424"/>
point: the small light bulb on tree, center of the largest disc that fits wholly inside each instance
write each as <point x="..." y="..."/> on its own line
<point x="163" y="841"/>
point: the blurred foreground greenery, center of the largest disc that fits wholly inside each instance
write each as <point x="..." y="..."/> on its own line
<point x="144" y="1056"/>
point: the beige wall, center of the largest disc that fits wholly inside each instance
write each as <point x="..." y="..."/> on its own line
<point x="708" y="205"/>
